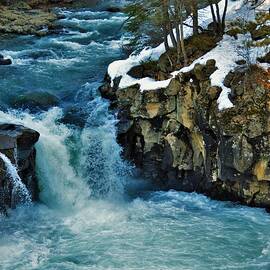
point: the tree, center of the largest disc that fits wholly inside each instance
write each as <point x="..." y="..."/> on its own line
<point x="165" y="20"/>
<point x="191" y="7"/>
<point x="218" y="19"/>
<point x="165" y="15"/>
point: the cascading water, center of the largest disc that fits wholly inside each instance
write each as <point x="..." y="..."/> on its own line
<point x="20" y="194"/>
<point x="79" y="225"/>
<point x="101" y="159"/>
<point x="60" y="185"/>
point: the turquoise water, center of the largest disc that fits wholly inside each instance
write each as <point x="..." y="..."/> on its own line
<point x="93" y="213"/>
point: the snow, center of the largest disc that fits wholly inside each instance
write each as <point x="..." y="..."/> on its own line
<point x="264" y="5"/>
<point x="122" y="67"/>
<point x="226" y="53"/>
<point x="145" y="83"/>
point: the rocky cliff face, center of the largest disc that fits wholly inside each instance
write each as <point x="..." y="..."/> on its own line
<point x="17" y="143"/>
<point x="180" y="139"/>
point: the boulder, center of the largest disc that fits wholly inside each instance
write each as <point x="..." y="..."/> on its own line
<point x="261" y="32"/>
<point x="148" y="69"/>
<point x="75" y="116"/>
<point x="17" y="144"/>
<point x="35" y="101"/>
<point x="113" y="9"/>
<point x="5" y="62"/>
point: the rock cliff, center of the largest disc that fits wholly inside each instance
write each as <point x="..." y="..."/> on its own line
<point x="180" y="140"/>
<point x="17" y="144"/>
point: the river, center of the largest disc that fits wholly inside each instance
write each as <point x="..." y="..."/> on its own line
<point x="94" y="213"/>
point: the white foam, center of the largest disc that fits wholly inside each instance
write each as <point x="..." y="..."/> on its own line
<point x="19" y="190"/>
<point x="61" y="187"/>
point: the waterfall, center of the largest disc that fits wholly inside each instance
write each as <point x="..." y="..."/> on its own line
<point x="74" y="165"/>
<point x="100" y="161"/>
<point x="60" y="185"/>
<point x="20" y="194"/>
<point x="102" y="166"/>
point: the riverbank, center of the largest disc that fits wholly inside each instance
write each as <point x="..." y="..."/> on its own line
<point x="204" y="127"/>
<point x="26" y="18"/>
<point x="35" y="17"/>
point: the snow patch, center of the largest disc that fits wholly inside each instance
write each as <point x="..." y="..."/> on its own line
<point x="226" y="53"/>
<point x="122" y="67"/>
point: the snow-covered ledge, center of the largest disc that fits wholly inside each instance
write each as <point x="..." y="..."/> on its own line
<point x="225" y="54"/>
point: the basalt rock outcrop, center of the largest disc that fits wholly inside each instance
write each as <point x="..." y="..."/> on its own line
<point x="17" y="143"/>
<point x="179" y="139"/>
<point x="34" y="101"/>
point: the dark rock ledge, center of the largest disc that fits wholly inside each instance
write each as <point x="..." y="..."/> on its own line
<point x="4" y="61"/>
<point x="17" y="143"/>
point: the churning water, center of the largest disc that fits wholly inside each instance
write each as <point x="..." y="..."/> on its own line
<point x="20" y="194"/>
<point x="87" y="218"/>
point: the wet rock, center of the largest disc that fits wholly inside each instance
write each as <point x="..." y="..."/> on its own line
<point x="107" y="90"/>
<point x="113" y="9"/>
<point x="5" y="62"/>
<point x="74" y="116"/>
<point x="35" y="101"/>
<point x="17" y="143"/>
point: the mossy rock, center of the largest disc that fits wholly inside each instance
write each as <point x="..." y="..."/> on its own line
<point x="147" y="69"/>
<point x="233" y="32"/>
<point x="166" y="59"/>
<point x="261" y="33"/>
<point x="203" y="42"/>
<point x="21" y="5"/>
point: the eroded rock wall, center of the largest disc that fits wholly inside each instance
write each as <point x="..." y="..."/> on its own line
<point x="180" y="140"/>
<point x="17" y="143"/>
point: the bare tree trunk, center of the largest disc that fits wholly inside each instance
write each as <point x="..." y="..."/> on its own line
<point x="172" y="36"/>
<point x="218" y="13"/>
<point x="213" y="14"/>
<point x="180" y="8"/>
<point x="166" y="17"/>
<point x="194" y="9"/>
<point x="177" y="29"/>
<point x="165" y="37"/>
<point x="218" y="18"/>
<point x="224" y="15"/>
<point x="165" y="25"/>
